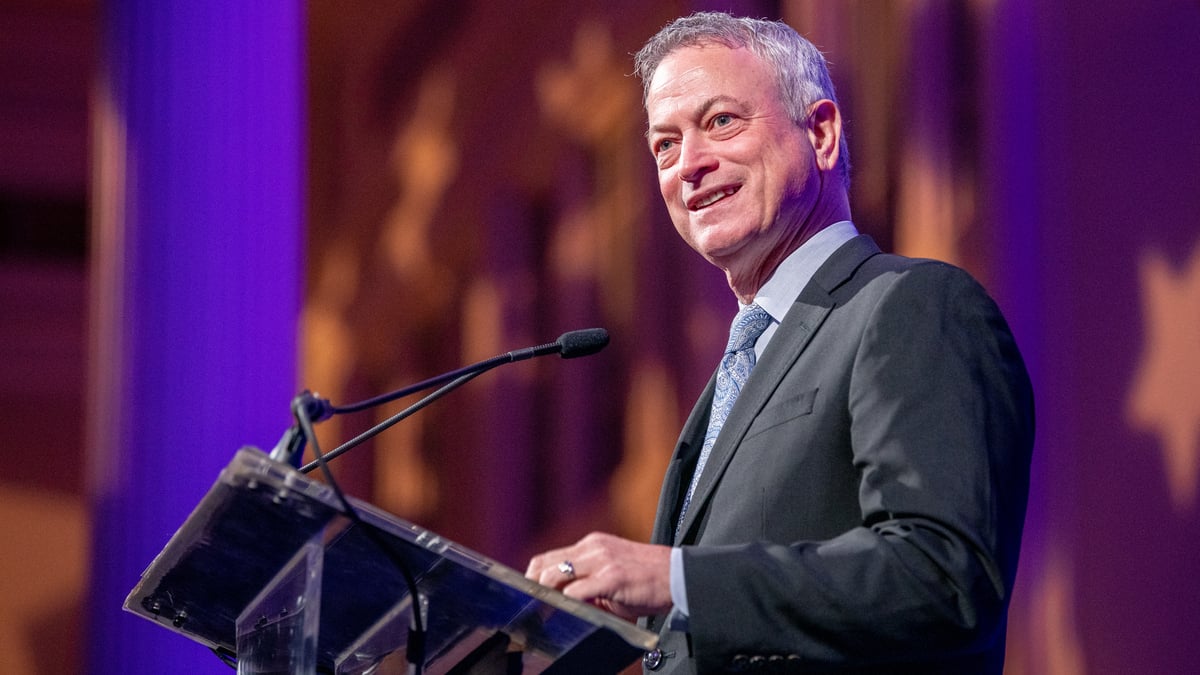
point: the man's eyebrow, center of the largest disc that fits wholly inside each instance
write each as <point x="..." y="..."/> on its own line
<point x="712" y="102"/>
<point x="701" y="111"/>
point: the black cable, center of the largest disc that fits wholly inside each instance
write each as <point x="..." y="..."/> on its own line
<point x="415" y="646"/>
<point x="481" y="367"/>
<point x="389" y="422"/>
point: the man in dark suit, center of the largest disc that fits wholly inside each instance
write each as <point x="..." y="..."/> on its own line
<point x="849" y="492"/>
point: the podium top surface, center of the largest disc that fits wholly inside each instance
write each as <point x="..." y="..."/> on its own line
<point x="260" y="513"/>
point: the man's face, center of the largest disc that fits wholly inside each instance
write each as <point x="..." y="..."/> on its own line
<point x="737" y="175"/>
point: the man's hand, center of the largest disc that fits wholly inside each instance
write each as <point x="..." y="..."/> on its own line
<point x="624" y="577"/>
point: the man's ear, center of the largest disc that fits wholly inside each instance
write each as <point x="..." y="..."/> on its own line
<point x="825" y="133"/>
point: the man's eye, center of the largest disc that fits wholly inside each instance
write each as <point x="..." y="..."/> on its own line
<point x="722" y="120"/>
<point x="665" y="145"/>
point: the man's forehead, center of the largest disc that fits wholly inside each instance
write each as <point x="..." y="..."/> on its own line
<point x="686" y="67"/>
<point x="671" y="81"/>
<point x="692" y="75"/>
<point x="704" y="54"/>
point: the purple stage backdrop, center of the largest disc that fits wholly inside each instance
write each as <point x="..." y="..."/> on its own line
<point x="196" y="282"/>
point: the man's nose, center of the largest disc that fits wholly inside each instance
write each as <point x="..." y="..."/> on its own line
<point x="696" y="158"/>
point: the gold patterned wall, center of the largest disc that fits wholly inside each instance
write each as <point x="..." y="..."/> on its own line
<point x="479" y="183"/>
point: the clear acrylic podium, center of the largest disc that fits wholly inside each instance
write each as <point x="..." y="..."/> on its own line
<point x="270" y="568"/>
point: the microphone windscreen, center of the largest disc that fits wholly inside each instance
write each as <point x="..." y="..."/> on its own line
<point x="582" y="342"/>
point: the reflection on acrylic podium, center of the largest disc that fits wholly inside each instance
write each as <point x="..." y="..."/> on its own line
<point x="271" y="569"/>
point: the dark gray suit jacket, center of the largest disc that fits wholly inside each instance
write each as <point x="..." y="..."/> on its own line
<point x="862" y="508"/>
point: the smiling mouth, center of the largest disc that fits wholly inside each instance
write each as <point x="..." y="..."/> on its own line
<point x="712" y="198"/>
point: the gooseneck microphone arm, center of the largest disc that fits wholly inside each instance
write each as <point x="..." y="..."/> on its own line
<point x="569" y="345"/>
<point x="290" y="448"/>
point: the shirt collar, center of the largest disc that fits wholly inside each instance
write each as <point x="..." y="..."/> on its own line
<point x="793" y="274"/>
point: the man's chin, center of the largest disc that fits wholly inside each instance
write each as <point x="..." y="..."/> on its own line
<point x="721" y="254"/>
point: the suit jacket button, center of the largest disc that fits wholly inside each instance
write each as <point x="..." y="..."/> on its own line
<point x="653" y="659"/>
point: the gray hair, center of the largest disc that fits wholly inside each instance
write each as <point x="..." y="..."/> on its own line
<point x="800" y="68"/>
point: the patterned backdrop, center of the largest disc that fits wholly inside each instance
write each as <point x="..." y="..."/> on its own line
<point x="475" y="180"/>
<point x="479" y="183"/>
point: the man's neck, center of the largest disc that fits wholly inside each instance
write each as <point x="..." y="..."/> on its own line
<point x="833" y="206"/>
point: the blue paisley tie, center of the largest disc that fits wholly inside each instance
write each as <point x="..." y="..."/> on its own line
<point x="735" y="369"/>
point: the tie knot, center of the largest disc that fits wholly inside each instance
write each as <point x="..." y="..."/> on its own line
<point x="748" y="325"/>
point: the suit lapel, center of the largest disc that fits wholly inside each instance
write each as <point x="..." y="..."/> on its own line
<point x="687" y="449"/>
<point x="795" y="333"/>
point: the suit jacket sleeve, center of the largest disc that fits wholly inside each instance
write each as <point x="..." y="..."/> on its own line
<point x="938" y="428"/>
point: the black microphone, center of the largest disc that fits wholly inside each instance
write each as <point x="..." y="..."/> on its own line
<point x="569" y="345"/>
<point x="573" y="344"/>
<point x="583" y="342"/>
